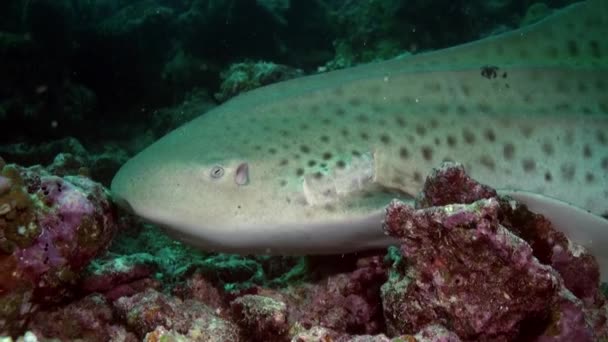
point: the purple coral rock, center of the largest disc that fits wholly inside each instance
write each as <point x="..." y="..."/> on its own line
<point x="467" y="272"/>
<point x="261" y="318"/>
<point x="450" y="184"/>
<point x="489" y="270"/>
<point x="88" y="319"/>
<point x="348" y="302"/>
<point x="145" y="312"/>
<point x="50" y="229"/>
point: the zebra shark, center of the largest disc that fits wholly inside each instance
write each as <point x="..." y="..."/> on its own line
<point x="307" y="166"/>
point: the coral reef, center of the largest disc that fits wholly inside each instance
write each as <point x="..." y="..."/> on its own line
<point x="246" y="76"/>
<point x="471" y="266"/>
<point x="466" y="270"/>
<point x="50" y="229"/>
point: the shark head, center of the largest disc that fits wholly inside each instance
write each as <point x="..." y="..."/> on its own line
<point x="219" y="192"/>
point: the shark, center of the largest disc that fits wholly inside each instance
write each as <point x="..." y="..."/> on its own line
<point x="308" y="165"/>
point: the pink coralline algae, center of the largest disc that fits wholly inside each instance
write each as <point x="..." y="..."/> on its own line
<point x="50" y="229"/>
<point x="466" y="271"/>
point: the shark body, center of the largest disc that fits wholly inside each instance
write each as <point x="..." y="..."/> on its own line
<point x="307" y="166"/>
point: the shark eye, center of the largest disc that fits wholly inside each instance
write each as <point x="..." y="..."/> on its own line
<point x="217" y="172"/>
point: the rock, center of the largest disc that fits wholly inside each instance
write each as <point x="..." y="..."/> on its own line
<point x="50" y="229"/>
<point x="466" y="269"/>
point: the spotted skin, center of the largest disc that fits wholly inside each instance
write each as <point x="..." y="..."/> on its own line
<point x="326" y="153"/>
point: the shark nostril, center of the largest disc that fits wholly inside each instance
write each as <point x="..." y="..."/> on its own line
<point x="241" y="176"/>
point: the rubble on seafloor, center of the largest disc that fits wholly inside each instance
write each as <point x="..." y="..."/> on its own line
<point x="472" y="266"/>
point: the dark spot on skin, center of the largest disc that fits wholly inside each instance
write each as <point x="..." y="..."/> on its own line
<point x="329" y="207"/>
<point x="526" y="131"/>
<point x="427" y="153"/>
<point x="461" y="109"/>
<point x="573" y="48"/>
<point x="340" y="111"/>
<point x="601" y="137"/>
<point x="356" y="153"/>
<point x="434" y="123"/>
<point x="362" y="118"/>
<point x="605" y="163"/>
<point x="283" y="162"/>
<point x="314" y="109"/>
<point x="582" y="87"/>
<point x="257" y="147"/>
<point x="284" y="133"/>
<point x="340" y="164"/>
<point x="451" y="141"/>
<point x="563" y="107"/>
<point x="404" y="153"/>
<point x="433" y="87"/>
<point x="489" y="71"/>
<point x="437" y="141"/>
<point x="283" y="182"/>
<point x="468" y="136"/>
<point x="466" y="90"/>
<point x="304" y="126"/>
<point x="548" y="176"/>
<point x="300" y="172"/>
<point x="305" y="149"/>
<point x="338" y="91"/>
<point x="547" y="148"/>
<point x="326" y="155"/>
<point x="354" y="101"/>
<point x="296" y="156"/>
<point x="484" y="108"/>
<point x="487" y="161"/>
<point x="587" y="151"/>
<point x="508" y="151"/>
<point x="400" y="121"/>
<point x="326" y="121"/>
<point x="318" y="175"/>
<point x="504" y="74"/>
<point x="344" y="132"/>
<point x="420" y="130"/>
<point x="594" y="46"/>
<point x="527" y="98"/>
<point x="272" y="150"/>
<point x="312" y="163"/>
<point x="589" y="177"/>
<point x="552" y="52"/>
<point x="385" y="139"/>
<point x="324" y="138"/>
<point x="364" y="136"/>
<point x="528" y="165"/>
<point x="417" y="177"/>
<point x="490" y="135"/>
<point x="442" y="108"/>
<point x="569" y="138"/>
<point x="568" y="170"/>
